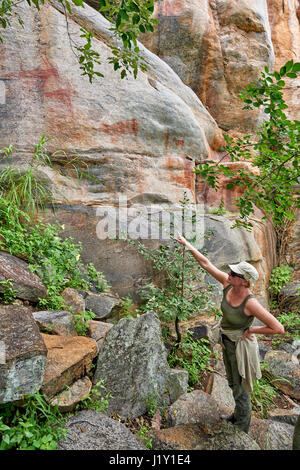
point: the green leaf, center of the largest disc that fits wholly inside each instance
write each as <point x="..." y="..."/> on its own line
<point x="124" y="15"/>
<point x="281" y="83"/>
<point x="296" y="67"/>
<point x="136" y="18"/>
<point x="141" y="28"/>
<point x="68" y="7"/>
<point x="289" y="65"/>
<point x="282" y="71"/>
<point x="133" y="7"/>
<point x="291" y="75"/>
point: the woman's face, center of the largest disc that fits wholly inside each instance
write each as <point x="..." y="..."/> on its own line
<point x="235" y="280"/>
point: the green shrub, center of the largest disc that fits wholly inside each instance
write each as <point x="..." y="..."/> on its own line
<point x="193" y="355"/>
<point x="81" y="320"/>
<point x="7" y="293"/>
<point x="280" y="277"/>
<point x="127" y="310"/>
<point x="265" y="391"/>
<point x="96" y="400"/>
<point x="36" y="425"/>
<point x="55" y="260"/>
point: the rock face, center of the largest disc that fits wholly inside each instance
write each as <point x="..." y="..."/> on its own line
<point x="132" y="363"/>
<point x="220" y="391"/>
<point x="23" y="363"/>
<point x="139" y="138"/>
<point x="218" y="47"/>
<point x="90" y="430"/>
<point x="199" y="39"/>
<point x="26" y="283"/>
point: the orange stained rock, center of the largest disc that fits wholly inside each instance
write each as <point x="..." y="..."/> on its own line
<point x="120" y="128"/>
<point x="171" y="7"/>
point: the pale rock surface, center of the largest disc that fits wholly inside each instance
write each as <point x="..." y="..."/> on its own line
<point x="136" y="136"/>
<point x="220" y="391"/>
<point x="288" y="416"/>
<point x="23" y="353"/>
<point x="284" y="19"/>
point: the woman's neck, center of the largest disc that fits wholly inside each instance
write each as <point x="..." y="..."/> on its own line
<point x="240" y="290"/>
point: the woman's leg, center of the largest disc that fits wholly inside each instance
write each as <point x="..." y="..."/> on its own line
<point x="296" y="438"/>
<point x="242" y="411"/>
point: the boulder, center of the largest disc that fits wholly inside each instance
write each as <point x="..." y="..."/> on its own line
<point x="27" y="284"/>
<point x="23" y="353"/>
<point x="220" y="391"/>
<point x="105" y="306"/>
<point x="55" y="322"/>
<point x="68" y="399"/>
<point x="222" y="436"/>
<point x="74" y="299"/>
<point x="289" y="297"/>
<point x="286" y="369"/>
<point x="133" y="365"/>
<point x="69" y="358"/>
<point x="90" y="430"/>
<point x="285" y="416"/>
<point x="97" y="331"/>
<point x="194" y="407"/>
<point x="271" y="435"/>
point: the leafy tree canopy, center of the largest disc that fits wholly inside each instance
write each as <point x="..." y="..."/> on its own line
<point x="273" y="151"/>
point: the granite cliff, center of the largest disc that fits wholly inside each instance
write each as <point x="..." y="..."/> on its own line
<point x="140" y="139"/>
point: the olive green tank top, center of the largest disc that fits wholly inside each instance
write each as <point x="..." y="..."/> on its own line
<point x="234" y="318"/>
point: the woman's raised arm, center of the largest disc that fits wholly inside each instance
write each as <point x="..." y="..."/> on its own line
<point x="204" y="262"/>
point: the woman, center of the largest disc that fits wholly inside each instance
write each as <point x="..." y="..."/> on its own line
<point x="238" y="340"/>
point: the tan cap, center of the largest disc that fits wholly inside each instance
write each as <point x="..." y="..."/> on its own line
<point x="245" y="269"/>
